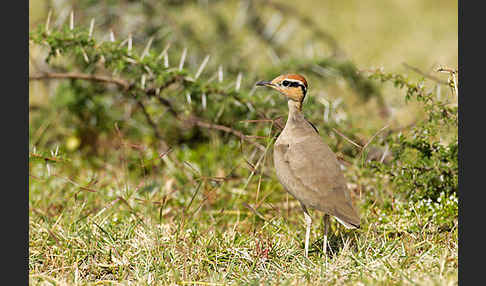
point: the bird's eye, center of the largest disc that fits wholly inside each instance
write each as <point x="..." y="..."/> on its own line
<point x="285" y="83"/>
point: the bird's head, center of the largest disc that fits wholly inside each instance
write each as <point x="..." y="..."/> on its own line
<point x="293" y="86"/>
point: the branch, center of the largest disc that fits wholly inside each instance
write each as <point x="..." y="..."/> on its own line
<point x="417" y="70"/>
<point x="203" y="124"/>
<point x="125" y="86"/>
<point x="45" y="158"/>
<point x="50" y="75"/>
<point x="149" y="120"/>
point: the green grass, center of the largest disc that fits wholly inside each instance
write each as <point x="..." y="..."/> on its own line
<point x="177" y="226"/>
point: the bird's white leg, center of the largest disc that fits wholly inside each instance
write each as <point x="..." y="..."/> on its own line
<point x="308" y="222"/>
<point x="325" y="218"/>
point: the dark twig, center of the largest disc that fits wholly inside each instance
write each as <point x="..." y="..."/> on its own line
<point x="347" y="139"/>
<point x="45" y="158"/>
<point x="149" y="119"/>
<point x="417" y="70"/>
<point x="201" y="123"/>
<point x="50" y="75"/>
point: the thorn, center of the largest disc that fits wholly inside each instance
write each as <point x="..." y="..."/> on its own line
<point x="85" y="56"/>
<point x="54" y="153"/>
<point x="437" y="92"/>
<point x="324" y="72"/>
<point x="130" y="60"/>
<point x="112" y="36"/>
<point x="272" y="25"/>
<point x="163" y="52"/>
<point x="220" y="73"/>
<point x="71" y="21"/>
<point x="142" y="81"/>
<point x="252" y="91"/>
<point x="238" y="81"/>
<point x="147" y="47"/>
<point x="129" y="42"/>
<point x="337" y="102"/>
<point x="123" y="43"/>
<point x="166" y="60"/>
<point x="91" y="28"/>
<point x="188" y="97"/>
<point x="213" y="77"/>
<point x="183" y="59"/>
<point x="326" y="111"/>
<point x="61" y="17"/>
<point x="48" y="21"/>
<point x="204" y="101"/>
<point x="202" y="66"/>
<point x="250" y="107"/>
<point x="149" y="71"/>
<point x="384" y="154"/>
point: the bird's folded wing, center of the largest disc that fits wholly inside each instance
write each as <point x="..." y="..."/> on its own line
<point x="315" y="166"/>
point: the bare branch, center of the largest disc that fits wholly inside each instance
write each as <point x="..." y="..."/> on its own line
<point x="48" y="75"/>
<point x="452" y="74"/>
<point x="347" y="139"/>
<point x="201" y="123"/>
<point x="149" y="119"/>
<point x="417" y="70"/>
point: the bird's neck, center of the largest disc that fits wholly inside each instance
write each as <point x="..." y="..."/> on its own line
<point x="295" y="111"/>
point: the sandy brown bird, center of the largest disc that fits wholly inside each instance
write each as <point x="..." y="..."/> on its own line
<point x="305" y="165"/>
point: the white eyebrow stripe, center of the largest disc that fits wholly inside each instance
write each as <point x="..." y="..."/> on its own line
<point x="295" y="80"/>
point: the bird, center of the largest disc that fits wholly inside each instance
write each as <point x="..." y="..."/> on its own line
<point x="305" y="165"/>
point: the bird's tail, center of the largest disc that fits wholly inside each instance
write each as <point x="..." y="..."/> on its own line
<point x="347" y="224"/>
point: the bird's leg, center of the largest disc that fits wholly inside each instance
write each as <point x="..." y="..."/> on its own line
<point x="325" y="218"/>
<point x="308" y="222"/>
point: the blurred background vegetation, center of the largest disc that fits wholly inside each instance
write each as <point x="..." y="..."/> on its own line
<point x="153" y="103"/>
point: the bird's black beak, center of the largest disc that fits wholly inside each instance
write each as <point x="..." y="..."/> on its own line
<point x="264" y="83"/>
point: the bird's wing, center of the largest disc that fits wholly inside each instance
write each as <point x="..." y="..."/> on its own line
<point x="322" y="185"/>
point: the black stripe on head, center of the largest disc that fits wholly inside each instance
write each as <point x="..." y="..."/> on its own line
<point x="297" y="83"/>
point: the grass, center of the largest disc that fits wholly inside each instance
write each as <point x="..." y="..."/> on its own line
<point x="179" y="226"/>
